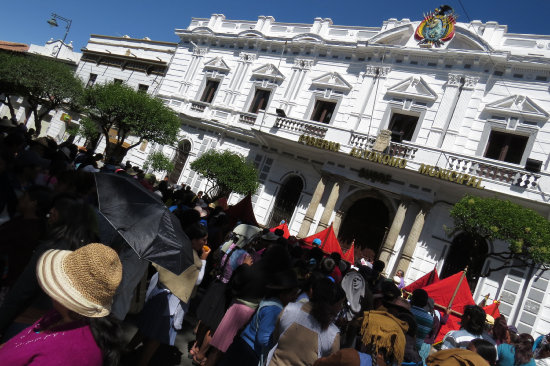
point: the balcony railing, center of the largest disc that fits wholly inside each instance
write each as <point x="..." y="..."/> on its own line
<point x="198" y="107"/>
<point x="248" y="118"/>
<point x="395" y="149"/>
<point x="517" y="177"/>
<point x="294" y="125"/>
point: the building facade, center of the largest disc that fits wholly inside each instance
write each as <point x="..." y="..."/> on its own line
<point x="377" y="131"/>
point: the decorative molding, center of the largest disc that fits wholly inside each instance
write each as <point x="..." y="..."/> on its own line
<point x="303" y="63"/>
<point x="199" y="51"/>
<point x="247" y="57"/>
<point x="332" y="80"/>
<point x="454" y="80"/>
<point x="218" y="64"/>
<point x="470" y="82"/>
<point x="518" y="106"/>
<point x="413" y="88"/>
<point x="268" y="71"/>
<point x="380" y="71"/>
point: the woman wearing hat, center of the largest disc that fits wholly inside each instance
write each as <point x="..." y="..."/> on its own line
<point x="253" y="344"/>
<point x="81" y="285"/>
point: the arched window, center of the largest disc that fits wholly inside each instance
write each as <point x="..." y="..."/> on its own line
<point x="466" y="250"/>
<point x="286" y="200"/>
<point x="182" y="152"/>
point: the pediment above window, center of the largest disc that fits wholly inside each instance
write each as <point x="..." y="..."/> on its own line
<point x="413" y="88"/>
<point x="268" y="71"/>
<point x="218" y="64"/>
<point x="331" y="80"/>
<point x="251" y="34"/>
<point x="518" y="106"/>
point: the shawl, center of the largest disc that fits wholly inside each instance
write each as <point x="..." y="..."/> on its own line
<point x="455" y="357"/>
<point x="380" y="330"/>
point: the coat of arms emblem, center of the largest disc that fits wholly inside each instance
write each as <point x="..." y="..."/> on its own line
<point x="437" y="27"/>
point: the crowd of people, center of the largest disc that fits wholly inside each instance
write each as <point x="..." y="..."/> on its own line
<point x="258" y="298"/>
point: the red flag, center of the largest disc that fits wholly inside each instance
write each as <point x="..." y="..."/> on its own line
<point x="493" y="309"/>
<point x="283" y="227"/>
<point x="329" y="243"/>
<point x="443" y="291"/>
<point x="349" y="256"/>
<point x="243" y="212"/>
<point x="423" y="281"/>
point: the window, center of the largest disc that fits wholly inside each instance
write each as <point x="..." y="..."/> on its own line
<point x="506" y="147"/>
<point x="323" y="110"/>
<point x="402" y="127"/>
<point x="143" y="88"/>
<point x="209" y="91"/>
<point x="91" y="80"/>
<point x="118" y="81"/>
<point x="261" y="97"/>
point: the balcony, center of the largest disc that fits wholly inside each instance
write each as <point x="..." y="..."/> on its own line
<point x="248" y="118"/>
<point x="493" y="172"/>
<point x="400" y="150"/>
<point x="198" y="106"/>
<point x="300" y="127"/>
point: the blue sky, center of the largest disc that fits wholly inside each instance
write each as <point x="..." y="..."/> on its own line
<point x="25" y="21"/>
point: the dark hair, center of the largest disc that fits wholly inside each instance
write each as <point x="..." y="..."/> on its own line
<point x="378" y="265"/>
<point x="476" y="319"/>
<point x="500" y="329"/>
<point x="523" y="349"/>
<point x="325" y="294"/>
<point x="76" y="224"/>
<point x="196" y="231"/>
<point x="107" y="333"/>
<point x="419" y="298"/>
<point x="43" y="198"/>
<point x="486" y="350"/>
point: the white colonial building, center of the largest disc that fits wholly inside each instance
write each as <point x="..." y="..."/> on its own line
<point x="376" y="131"/>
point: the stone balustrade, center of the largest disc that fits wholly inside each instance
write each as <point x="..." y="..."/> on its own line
<point x="248" y="118"/>
<point x="198" y="107"/>
<point x="517" y="177"/>
<point x="298" y="126"/>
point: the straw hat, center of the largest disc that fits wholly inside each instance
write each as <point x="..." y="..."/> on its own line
<point x="83" y="281"/>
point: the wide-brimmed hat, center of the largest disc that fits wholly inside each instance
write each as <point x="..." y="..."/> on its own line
<point x="270" y="236"/>
<point x="284" y="280"/>
<point x="84" y="280"/>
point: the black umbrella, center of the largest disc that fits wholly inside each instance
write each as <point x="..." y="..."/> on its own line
<point x="143" y="221"/>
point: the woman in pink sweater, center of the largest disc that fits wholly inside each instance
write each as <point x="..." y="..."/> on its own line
<point x="77" y="332"/>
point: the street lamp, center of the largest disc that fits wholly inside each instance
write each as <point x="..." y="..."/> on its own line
<point x="53" y="23"/>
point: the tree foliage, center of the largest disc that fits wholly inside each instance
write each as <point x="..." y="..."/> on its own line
<point x="131" y="113"/>
<point x="526" y="232"/>
<point x="159" y="162"/>
<point x="226" y="172"/>
<point x="46" y="84"/>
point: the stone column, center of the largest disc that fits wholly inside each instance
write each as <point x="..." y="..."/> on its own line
<point x="410" y="245"/>
<point x="387" y="249"/>
<point x="312" y="208"/>
<point x="329" y="207"/>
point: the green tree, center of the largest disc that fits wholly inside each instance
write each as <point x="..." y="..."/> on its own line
<point x="123" y="112"/>
<point x="226" y="172"/>
<point x="526" y="232"/>
<point x="158" y="162"/>
<point x="46" y="84"/>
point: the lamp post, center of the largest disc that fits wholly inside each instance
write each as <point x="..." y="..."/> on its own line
<point x="53" y="23"/>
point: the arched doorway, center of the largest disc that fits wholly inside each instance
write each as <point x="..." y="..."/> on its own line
<point x="366" y="221"/>
<point x="466" y="250"/>
<point x="182" y="152"/>
<point x="286" y="200"/>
